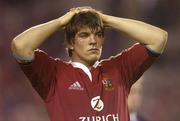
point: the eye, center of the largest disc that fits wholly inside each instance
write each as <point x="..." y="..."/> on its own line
<point x="83" y="34"/>
<point x="99" y="34"/>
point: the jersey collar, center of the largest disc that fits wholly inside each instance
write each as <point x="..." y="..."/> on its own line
<point x="84" y="68"/>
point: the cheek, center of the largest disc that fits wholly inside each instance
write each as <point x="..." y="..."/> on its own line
<point x="100" y="42"/>
<point x="100" y="45"/>
<point x="80" y="47"/>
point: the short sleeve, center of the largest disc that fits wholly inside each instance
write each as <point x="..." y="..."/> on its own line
<point x="133" y="62"/>
<point x="41" y="72"/>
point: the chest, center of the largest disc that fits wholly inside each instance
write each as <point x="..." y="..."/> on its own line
<point x="77" y="82"/>
<point x="77" y="95"/>
<point x="75" y="86"/>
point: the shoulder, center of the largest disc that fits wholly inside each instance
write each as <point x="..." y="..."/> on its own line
<point x="135" y="53"/>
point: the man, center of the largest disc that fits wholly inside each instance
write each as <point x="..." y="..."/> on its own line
<point x="85" y="89"/>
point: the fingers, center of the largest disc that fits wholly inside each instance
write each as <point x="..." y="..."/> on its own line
<point x="86" y="9"/>
<point x="67" y="17"/>
<point x="82" y="9"/>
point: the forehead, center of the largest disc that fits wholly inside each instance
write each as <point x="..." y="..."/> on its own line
<point x="89" y="30"/>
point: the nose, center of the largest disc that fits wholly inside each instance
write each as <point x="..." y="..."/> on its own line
<point x="93" y="39"/>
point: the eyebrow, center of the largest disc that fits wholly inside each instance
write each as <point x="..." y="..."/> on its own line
<point x="100" y="31"/>
<point x="83" y="32"/>
<point x="94" y="31"/>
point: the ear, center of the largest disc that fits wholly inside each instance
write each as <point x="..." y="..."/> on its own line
<point x="70" y="46"/>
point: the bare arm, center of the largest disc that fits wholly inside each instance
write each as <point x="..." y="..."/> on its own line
<point x="153" y="37"/>
<point x="24" y="44"/>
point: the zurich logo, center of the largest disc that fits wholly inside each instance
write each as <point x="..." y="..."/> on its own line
<point x="97" y="104"/>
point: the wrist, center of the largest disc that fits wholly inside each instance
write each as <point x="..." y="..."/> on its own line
<point x="105" y="19"/>
<point x="60" y="22"/>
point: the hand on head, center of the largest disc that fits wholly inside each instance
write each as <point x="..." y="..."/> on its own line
<point x="88" y="8"/>
<point x="82" y="9"/>
<point x="67" y="17"/>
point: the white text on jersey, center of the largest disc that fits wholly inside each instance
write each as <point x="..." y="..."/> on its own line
<point x="109" y="117"/>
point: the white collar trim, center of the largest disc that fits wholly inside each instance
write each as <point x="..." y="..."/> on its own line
<point x="84" y="68"/>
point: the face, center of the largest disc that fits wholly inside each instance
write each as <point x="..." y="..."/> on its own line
<point x="87" y="46"/>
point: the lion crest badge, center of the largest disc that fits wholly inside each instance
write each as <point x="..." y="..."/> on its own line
<point x="107" y="84"/>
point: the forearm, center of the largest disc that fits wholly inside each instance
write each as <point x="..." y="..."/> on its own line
<point x="25" y="43"/>
<point x="153" y="37"/>
<point x="35" y="36"/>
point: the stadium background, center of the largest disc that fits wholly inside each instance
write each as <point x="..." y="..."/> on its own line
<point x="161" y="84"/>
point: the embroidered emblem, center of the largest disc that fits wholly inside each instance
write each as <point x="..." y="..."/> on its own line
<point x="107" y="85"/>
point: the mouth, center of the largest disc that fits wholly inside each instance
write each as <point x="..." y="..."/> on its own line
<point x="94" y="50"/>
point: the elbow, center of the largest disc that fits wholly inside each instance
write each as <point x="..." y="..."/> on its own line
<point x="159" y="43"/>
<point x="165" y="37"/>
<point x="162" y="41"/>
<point x="21" y="52"/>
<point x="18" y="49"/>
<point x="14" y="46"/>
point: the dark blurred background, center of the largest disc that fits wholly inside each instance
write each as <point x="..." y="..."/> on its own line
<point x="160" y="93"/>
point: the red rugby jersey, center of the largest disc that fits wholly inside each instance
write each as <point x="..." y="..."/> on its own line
<point x="71" y="95"/>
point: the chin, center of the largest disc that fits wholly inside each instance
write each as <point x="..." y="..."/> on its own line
<point x="94" y="59"/>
